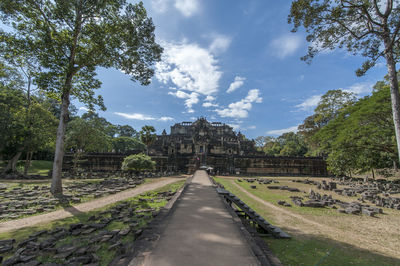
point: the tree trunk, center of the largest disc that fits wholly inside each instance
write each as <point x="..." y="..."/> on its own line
<point x="56" y="184"/>
<point x="27" y="161"/>
<point x="373" y="174"/>
<point x="12" y="163"/>
<point x="394" y="94"/>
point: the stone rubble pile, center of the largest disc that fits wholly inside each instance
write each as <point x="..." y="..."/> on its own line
<point x="317" y="200"/>
<point x="17" y="202"/>
<point x="110" y="174"/>
<point x="305" y="181"/>
<point x="86" y="237"/>
<point x="291" y="189"/>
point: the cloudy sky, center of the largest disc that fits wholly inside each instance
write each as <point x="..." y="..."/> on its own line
<point x="230" y="61"/>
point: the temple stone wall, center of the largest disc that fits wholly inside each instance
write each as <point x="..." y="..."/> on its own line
<point x="202" y="143"/>
<point x="222" y="164"/>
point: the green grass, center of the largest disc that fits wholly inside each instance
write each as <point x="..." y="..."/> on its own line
<point x="37" y="167"/>
<point x="305" y="249"/>
<point x="320" y="251"/>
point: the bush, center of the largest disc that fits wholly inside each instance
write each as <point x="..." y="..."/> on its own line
<point x="138" y="162"/>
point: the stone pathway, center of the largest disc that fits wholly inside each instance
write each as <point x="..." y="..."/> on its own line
<point x="201" y="231"/>
<point x="84" y="207"/>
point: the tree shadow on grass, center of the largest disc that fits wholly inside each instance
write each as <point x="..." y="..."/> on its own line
<point x="66" y="205"/>
<point x="307" y="249"/>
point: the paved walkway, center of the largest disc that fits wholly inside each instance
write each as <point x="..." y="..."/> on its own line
<point x="84" y="207"/>
<point x="201" y="231"/>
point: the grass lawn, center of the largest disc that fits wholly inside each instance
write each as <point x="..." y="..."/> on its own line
<point x="37" y="167"/>
<point x="332" y="243"/>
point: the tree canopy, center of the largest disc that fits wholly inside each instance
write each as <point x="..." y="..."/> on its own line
<point x="147" y="136"/>
<point x="361" y="137"/>
<point x="70" y="39"/>
<point x="370" y="28"/>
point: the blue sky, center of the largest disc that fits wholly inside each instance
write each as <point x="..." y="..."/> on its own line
<point x="231" y="61"/>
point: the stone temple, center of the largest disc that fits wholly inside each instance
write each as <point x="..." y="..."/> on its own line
<point x="191" y="145"/>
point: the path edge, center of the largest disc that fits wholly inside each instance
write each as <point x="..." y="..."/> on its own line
<point x="257" y="245"/>
<point x="142" y="246"/>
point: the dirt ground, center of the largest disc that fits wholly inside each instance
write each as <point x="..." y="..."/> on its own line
<point x="380" y="234"/>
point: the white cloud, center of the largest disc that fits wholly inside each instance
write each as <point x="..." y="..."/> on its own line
<point x="285" y="45"/>
<point x="160" y="6"/>
<point x="209" y="104"/>
<point x="210" y="98"/>
<point x="166" y="119"/>
<point x="191" y="98"/>
<point x="241" y="108"/>
<point x="83" y="108"/>
<point x="187" y="7"/>
<point x="310" y="103"/>
<point x="234" y="126"/>
<point x="281" y="131"/>
<point x="237" y="83"/>
<point x="359" y="89"/>
<point x="190" y="68"/>
<point x="251" y="127"/>
<point x="220" y="44"/>
<point x="135" y="116"/>
<point x="143" y="117"/>
<point x="209" y="101"/>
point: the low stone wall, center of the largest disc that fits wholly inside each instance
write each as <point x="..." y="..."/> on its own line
<point x="110" y="164"/>
<point x="111" y="174"/>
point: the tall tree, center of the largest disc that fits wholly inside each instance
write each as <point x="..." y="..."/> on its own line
<point x="125" y="144"/>
<point x="361" y="138"/>
<point x="70" y="39"/>
<point x="127" y="131"/>
<point x="147" y="136"/>
<point x="328" y="108"/>
<point x="85" y="136"/>
<point x="367" y="27"/>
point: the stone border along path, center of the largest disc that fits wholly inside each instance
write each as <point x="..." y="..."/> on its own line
<point x="200" y="231"/>
<point x="84" y="207"/>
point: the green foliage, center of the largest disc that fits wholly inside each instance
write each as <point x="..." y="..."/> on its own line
<point x="69" y="39"/>
<point x="127" y="131"/>
<point x="100" y="123"/>
<point x="138" y="162"/>
<point x="12" y="119"/>
<point x="24" y="129"/>
<point x="86" y="136"/>
<point x="330" y="105"/>
<point x="360" y="26"/>
<point x="361" y="137"/>
<point x="367" y="27"/>
<point x="125" y="144"/>
<point x="288" y="144"/>
<point x="147" y="135"/>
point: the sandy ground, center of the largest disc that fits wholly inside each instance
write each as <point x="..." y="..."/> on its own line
<point x="84" y="207"/>
<point x="361" y="232"/>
